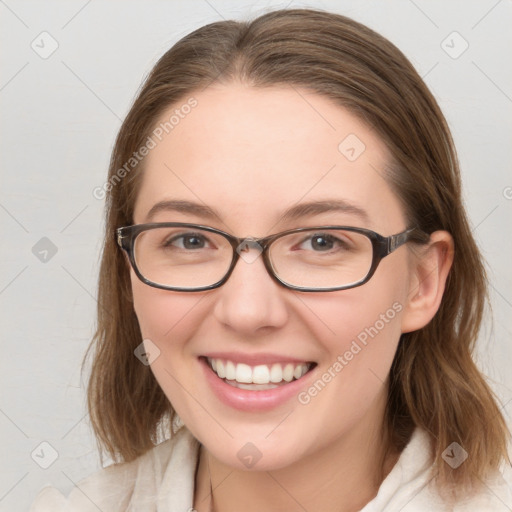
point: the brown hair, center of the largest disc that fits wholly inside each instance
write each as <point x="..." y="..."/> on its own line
<point x="434" y="383"/>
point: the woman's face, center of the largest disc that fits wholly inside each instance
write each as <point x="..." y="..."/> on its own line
<point x="250" y="154"/>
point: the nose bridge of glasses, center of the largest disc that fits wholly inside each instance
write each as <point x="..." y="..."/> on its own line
<point x="250" y="248"/>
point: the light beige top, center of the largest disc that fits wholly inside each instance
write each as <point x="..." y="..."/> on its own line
<point x="163" y="480"/>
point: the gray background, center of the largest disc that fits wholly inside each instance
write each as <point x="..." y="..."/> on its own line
<point x="60" y="115"/>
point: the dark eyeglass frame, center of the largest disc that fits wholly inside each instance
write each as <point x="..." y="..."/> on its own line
<point x="382" y="247"/>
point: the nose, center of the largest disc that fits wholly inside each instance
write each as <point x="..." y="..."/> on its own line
<point x="250" y="301"/>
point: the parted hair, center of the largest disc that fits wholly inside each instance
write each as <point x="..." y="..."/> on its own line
<point x="434" y="383"/>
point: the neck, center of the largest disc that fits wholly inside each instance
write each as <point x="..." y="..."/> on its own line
<point x="342" y="476"/>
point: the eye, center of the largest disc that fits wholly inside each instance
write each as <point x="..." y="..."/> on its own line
<point x="323" y="242"/>
<point x="186" y="241"/>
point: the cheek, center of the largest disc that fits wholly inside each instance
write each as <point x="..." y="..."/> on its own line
<point x="359" y="344"/>
<point x="359" y="333"/>
<point x="368" y="312"/>
<point x="159" y="312"/>
<point x="359" y="330"/>
<point x="168" y="320"/>
<point x="368" y="348"/>
<point x="165" y="317"/>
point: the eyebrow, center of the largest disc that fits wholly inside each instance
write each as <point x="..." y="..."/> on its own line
<point x="296" y="212"/>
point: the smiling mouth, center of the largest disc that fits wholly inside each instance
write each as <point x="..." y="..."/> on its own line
<point x="258" y="377"/>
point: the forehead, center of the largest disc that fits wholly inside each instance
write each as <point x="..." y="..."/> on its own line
<point x="251" y="153"/>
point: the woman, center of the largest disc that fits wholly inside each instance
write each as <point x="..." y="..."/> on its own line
<point x="290" y="292"/>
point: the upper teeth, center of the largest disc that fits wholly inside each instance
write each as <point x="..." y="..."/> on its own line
<point x="260" y="374"/>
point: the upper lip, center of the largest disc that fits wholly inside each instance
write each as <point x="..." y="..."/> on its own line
<point x="255" y="359"/>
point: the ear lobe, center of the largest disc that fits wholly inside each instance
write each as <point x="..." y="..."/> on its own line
<point x="430" y="268"/>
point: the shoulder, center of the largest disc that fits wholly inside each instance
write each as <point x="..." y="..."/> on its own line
<point x="165" y="472"/>
<point x="409" y="486"/>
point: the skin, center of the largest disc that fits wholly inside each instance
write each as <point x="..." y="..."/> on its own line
<point x="251" y="153"/>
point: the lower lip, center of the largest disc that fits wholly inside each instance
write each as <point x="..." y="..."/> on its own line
<point x="253" y="401"/>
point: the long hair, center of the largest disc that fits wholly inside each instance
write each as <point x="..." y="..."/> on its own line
<point x="434" y="382"/>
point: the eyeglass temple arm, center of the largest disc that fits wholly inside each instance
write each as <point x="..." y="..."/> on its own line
<point x="395" y="241"/>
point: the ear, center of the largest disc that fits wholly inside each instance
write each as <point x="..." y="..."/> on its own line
<point x="429" y="266"/>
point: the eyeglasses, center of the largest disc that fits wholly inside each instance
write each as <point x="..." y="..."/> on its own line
<point x="190" y="257"/>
